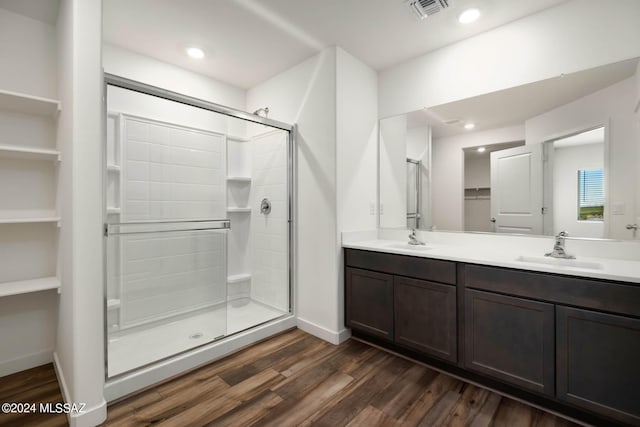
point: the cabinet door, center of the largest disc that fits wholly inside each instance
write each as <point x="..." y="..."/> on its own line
<point x="598" y="357"/>
<point x="425" y="317"/>
<point x="511" y="339"/>
<point x="369" y="302"/>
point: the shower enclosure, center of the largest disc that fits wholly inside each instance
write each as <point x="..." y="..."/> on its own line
<point x="197" y="221"/>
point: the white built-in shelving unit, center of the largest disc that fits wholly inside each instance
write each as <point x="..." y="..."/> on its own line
<point x="28" y="165"/>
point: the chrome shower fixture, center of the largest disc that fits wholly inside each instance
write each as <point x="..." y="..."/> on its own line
<point x="264" y="111"/>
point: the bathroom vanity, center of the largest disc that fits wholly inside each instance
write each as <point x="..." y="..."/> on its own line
<point x="561" y="340"/>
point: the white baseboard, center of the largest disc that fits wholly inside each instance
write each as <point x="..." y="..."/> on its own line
<point x="61" y="379"/>
<point x="8" y="367"/>
<point x="90" y="417"/>
<point x="334" y="337"/>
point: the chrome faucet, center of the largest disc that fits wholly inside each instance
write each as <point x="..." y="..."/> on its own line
<point x="558" y="247"/>
<point x="413" y="239"/>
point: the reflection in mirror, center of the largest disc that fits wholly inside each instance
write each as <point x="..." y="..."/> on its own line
<point x="477" y="186"/>
<point x="554" y="155"/>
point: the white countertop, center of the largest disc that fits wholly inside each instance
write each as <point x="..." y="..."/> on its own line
<point x="606" y="268"/>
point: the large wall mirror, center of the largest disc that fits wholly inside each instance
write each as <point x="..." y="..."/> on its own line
<point x="554" y="155"/>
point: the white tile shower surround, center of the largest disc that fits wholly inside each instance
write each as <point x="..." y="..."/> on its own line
<point x="142" y="347"/>
<point x="169" y="272"/>
<point x="269" y="258"/>
<point x="172" y="172"/>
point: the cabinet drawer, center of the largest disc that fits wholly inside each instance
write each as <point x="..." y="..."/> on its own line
<point x="425" y="317"/>
<point x="588" y="293"/>
<point x="402" y="265"/>
<point x="510" y="339"/>
<point x="598" y="362"/>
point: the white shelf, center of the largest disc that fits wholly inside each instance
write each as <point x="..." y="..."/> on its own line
<point x="239" y="178"/>
<point x="113" y="304"/>
<point x="113" y="211"/>
<point x="29" y="220"/>
<point x="113" y="168"/>
<point x="239" y="278"/>
<point x="238" y="210"/>
<point x="30" y="104"/>
<point x="27" y="286"/>
<point x="238" y="138"/>
<point x="16" y="151"/>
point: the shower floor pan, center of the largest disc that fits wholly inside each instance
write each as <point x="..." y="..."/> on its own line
<point x="139" y="348"/>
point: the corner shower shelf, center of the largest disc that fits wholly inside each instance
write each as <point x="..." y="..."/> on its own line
<point x="238" y="210"/>
<point x="113" y="168"/>
<point x="113" y="211"/>
<point x="238" y="138"/>
<point x="29" y="220"/>
<point x="113" y="304"/>
<point x="239" y="178"/>
<point x="28" y="286"/>
<point x="238" y="278"/>
<point x="29" y="104"/>
<point x="31" y="153"/>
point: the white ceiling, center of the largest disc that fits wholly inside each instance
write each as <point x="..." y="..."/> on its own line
<point x="515" y="105"/>
<point x="249" y="41"/>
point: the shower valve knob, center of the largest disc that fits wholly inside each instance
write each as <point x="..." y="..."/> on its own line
<point x="265" y="206"/>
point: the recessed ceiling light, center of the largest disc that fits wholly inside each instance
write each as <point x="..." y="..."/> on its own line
<point x="469" y="126"/>
<point x="195" y="52"/>
<point x="481" y="149"/>
<point x="469" y="16"/>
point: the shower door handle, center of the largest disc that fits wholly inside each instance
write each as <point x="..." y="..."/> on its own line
<point x="165" y="226"/>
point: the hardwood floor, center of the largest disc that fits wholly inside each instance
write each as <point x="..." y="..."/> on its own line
<point x="37" y="385"/>
<point x="296" y="379"/>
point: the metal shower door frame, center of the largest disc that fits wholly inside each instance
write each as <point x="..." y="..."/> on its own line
<point x="140" y="87"/>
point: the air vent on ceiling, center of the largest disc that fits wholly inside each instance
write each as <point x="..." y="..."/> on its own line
<point x="424" y="8"/>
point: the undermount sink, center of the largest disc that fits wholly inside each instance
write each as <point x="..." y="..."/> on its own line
<point x="407" y="247"/>
<point x="561" y="262"/>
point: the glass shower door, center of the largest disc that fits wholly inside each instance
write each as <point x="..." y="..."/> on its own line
<point x="169" y="282"/>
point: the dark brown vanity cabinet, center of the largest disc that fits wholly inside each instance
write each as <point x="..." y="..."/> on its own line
<point x="598" y="359"/>
<point x="511" y="339"/>
<point x="369" y="302"/>
<point x="417" y="312"/>
<point x="554" y="339"/>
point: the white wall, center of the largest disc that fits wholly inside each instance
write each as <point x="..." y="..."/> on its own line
<point x="571" y="37"/>
<point x="79" y="344"/>
<point x="356" y="154"/>
<point x="612" y="107"/>
<point x="27" y="322"/>
<point x="133" y="66"/>
<point x="477" y="171"/>
<point x="567" y="161"/>
<point x="306" y="95"/>
<point x="448" y="171"/>
<point x="28" y="55"/>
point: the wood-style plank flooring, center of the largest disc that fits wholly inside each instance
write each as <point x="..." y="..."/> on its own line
<point x="295" y="379"/>
<point x="37" y="385"/>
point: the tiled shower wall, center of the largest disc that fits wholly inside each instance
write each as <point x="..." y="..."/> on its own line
<point x="171" y="172"/>
<point x="270" y="280"/>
